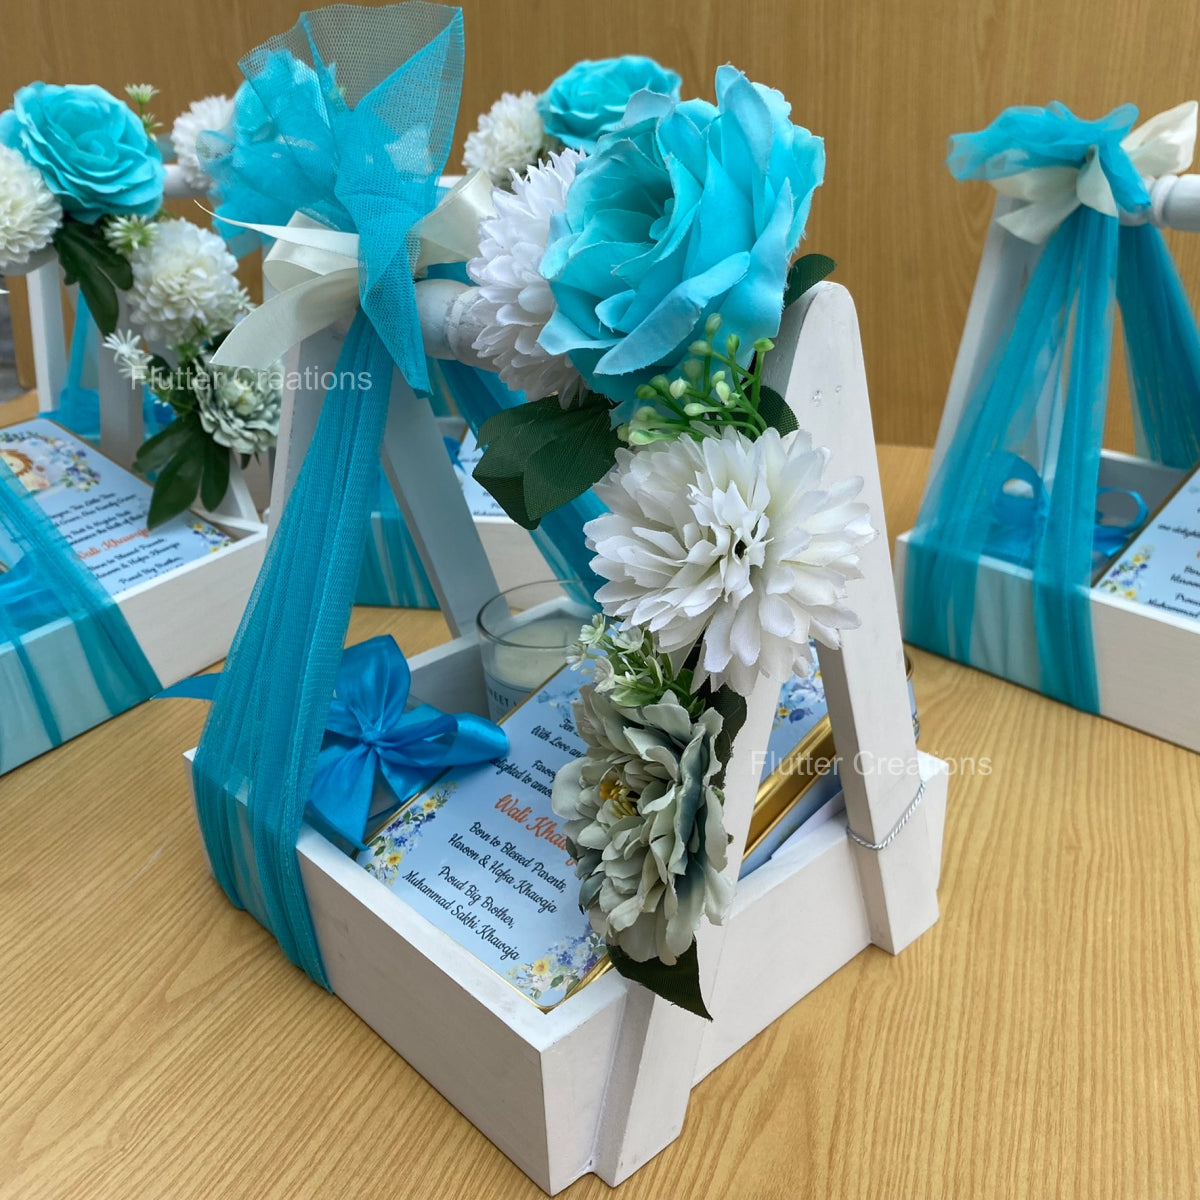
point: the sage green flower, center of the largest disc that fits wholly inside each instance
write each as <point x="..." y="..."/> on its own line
<point x="645" y="823"/>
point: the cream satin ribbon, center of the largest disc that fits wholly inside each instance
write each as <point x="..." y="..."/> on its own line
<point x="315" y="272"/>
<point x="1162" y="146"/>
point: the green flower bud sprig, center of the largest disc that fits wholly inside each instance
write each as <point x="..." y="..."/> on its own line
<point x="625" y="664"/>
<point x="140" y="95"/>
<point x="712" y="391"/>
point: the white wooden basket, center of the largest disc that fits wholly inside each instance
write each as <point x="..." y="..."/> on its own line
<point x="1147" y="660"/>
<point x="601" y="1082"/>
<point x="185" y="619"/>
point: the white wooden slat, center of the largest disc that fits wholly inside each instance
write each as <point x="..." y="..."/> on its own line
<point x="47" y="333"/>
<point x="312" y="359"/>
<point x="865" y="682"/>
<point x="430" y="497"/>
<point x="817" y="355"/>
<point x="1006" y="265"/>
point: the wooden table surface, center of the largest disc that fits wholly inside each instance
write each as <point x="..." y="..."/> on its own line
<point x="1042" y="1040"/>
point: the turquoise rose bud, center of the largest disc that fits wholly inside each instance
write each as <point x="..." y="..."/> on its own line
<point x="90" y="147"/>
<point x="685" y="212"/>
<point x="590" y="99"/>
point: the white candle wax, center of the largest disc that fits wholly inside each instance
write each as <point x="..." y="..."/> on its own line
<point x="526" y="657"/>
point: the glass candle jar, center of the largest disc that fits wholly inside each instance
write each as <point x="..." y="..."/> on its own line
<point x="524" y="636"/>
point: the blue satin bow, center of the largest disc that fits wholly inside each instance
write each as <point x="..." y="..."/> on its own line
<point x="369" y="733"/>
<point x="1018" y="516"/>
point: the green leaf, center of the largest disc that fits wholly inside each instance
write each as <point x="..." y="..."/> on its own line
<point x="87" y="259"/>
<point x="156" y="452"/>
<point x="501" y="423"/>
<point x="679" y="984"/>
<point x="96" y="287"/>
<point x="732" y="708"/>
<point x="215" y="481"/>
<point x="509" y="492"/>
<point x="177" y="485"/>
<point x="807" y="271"/>
<point x="90" y="241"/>
<point x="776" y="411"/>
<point x="540" y="456"/>
<point x="566" y="467"/>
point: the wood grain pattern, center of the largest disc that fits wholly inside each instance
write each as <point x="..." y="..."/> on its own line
<point x="885" y="82"/>
<point x="1041" y="1040"/>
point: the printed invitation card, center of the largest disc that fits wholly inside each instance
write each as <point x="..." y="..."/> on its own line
<point x="100" y="508"/>
<point x="482" y="855"/>
<point x="1161" y="566"/>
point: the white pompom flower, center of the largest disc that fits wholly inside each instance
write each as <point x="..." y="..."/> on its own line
<point x="515" y="302"/>
<point x="212" y="114"/>
<point x="30" y="214"/>
<point x="185" y="286"/>
<point x="734" y="544"/>
<point x="510" y="137"/>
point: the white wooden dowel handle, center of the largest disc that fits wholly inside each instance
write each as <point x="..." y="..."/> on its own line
<point x="450" y="320"/>
<point x="1174" y="204"/>
<point x="177" y="186"/>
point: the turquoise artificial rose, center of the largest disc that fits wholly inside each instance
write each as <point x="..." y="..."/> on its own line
<point x="591" y="98"/>
<point x="90" y="147"/>
<point x="685" y="210"/>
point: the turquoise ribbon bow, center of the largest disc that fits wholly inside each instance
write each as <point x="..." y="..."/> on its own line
<point x="371" y="732"/>
<point x="1018" y="516"/>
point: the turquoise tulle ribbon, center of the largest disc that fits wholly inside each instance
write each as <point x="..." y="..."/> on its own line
<point x="79" y="400"/>
<point x="372" y="733"/>
<point x="1042" y="397"/>
<point x="54" y="687"/>
<point x="367" y="142"/>
<point x="392" y="574"/>
<point x="26" y="603"/>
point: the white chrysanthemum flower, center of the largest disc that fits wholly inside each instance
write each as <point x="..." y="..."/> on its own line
<point x="510" y="137"/>
<point x="516" y="302"/>
<point x="127" y="233"/>
<point x="733" y="543"/>
<point x="185" y="286"/>
<point x="131" y="356"/>
<point x="30" y="214"/>
<point x="239" y="407"/>
<point x="212" y="114"/>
